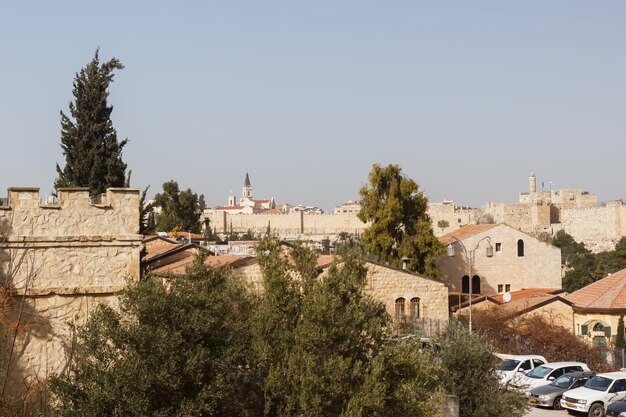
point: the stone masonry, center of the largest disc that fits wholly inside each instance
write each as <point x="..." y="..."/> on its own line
<point x="63" y="259"/>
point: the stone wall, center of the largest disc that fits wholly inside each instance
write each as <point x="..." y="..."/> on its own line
<point x="64" y="259"/>
<point x="385" y="284"/>
<point x="389" y="284"/>
<point x="540" y="267"/>
<point x="297" y="224"/>
<point x="456" y="216"/>
<point x="599" y="227"/>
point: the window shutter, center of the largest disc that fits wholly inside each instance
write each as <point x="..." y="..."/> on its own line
<point x="584" y="329"/>
<point x="607" y="331"/>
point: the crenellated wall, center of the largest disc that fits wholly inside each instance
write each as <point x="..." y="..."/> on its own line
<point x="64" y="259"/>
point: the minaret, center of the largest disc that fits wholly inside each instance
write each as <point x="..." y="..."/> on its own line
<point x="532" y="183"/>
<point x="246" y="190"/>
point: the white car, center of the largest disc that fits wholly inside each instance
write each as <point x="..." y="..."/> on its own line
<point x="513" y="367"/>
<point x="544" y="374"/>
<point x="597" y="394"/>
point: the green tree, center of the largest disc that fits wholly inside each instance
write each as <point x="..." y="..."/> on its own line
<point x="179" y="209"/>
<point x="581" y="266"/>
<point x="400" y="226"/>
<point x="178" y="350"/>
<point x="469" y="367"/>
<point x="442" y="224"/>
<point x="93" y="155"/>
<point x="320" y="343"/>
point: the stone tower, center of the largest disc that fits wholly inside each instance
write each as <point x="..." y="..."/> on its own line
<point x="246" y="190"/>
<point x="532" y="183"/>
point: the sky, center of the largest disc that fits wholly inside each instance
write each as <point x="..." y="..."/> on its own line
<point x="468" y="97"/>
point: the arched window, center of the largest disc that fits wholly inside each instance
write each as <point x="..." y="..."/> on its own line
<point x="475" y="284"/>
<point x="415" y="308"/>
<point x="520" y="248"/>
<point x="400" y="308"/>
<point x="465" y="285"/>
<point x="598" y="327"/>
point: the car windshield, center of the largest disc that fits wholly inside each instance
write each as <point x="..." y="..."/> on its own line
<point x="563" y="382"/>
<point x="539" y="372"/>
<point x="508" y="365"/>
<point x="599" y="383"/>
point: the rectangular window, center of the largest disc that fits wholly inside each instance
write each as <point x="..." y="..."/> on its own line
<point x="500" y="288"/>
<point x="498" y="247"/>
<point x="507" y="287"/>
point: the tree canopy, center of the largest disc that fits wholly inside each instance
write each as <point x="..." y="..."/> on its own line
<point x="306" y="345"/>
<point x="400" y="226"/>
<point x="175" y="350"/>
<point x="179" y="209"/>
<point x="93" y="155"/>
<point x="582" y="267"/>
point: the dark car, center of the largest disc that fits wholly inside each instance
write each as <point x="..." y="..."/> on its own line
<point x="617" y="409"/>
<point x="550" y="395"/>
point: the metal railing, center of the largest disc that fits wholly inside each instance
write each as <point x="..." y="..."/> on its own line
<point x="423" y="327"/>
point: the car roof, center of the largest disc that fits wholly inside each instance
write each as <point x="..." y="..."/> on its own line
<point x="613" y="375"/>
<point x="519" y="357"/>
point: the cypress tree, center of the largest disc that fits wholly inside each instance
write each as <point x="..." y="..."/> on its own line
<point x="93" y="155"/>
<point x="620" y="341"/>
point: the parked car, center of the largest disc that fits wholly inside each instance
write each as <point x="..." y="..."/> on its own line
<point x="550" y="395"/>
<point x="544" y="374"/>
<point x="617" y="409"/>
<point x="513" y="367"/>
<point x="598" y="393"/>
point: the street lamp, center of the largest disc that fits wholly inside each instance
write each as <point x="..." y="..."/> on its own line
<point x="469" y="255"/>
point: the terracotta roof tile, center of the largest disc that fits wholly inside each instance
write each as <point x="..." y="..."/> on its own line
<point x="526" y="293"/>
<point x="522" y="305"/>
<point x="464" y="232"/>
<point x="179" y="267"/>
<point x="158" y="249"/>
<point x="607" y="293"/>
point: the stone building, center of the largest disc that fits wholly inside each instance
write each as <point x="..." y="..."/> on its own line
<point x="407" y="296"/>
<point x="598" y="307"/>
<point x="63" y="259"/>
<point x="517" y="260"/>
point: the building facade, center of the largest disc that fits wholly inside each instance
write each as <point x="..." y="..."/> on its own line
<point x="517" y="260"/>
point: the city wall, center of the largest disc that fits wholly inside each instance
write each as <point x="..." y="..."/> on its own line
<point x="62" y="260"/>
<point x="599" y="227"/>
<point x="290" y="224"/>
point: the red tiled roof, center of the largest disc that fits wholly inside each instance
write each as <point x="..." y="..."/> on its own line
<point x="179" y="267"/>
<point x="261" y="201"/>
<point x="524" y="305"/>
<point x="155" y="250"/>
<point x="527" y="293"/>
<point x="607" y="293"/>
<point x="464" y="233"/>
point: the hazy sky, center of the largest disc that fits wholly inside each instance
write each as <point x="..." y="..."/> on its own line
<point x="468" y="96"/>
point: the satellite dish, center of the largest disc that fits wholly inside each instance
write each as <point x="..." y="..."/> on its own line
<point x="506" y="297"/>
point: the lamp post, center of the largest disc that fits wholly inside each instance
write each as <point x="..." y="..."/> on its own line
<point x="469" y="256"/>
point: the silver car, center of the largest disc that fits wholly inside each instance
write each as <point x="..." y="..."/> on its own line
<point x="550" y="395"/>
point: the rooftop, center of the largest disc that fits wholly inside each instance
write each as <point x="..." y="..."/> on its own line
<point x="605" y="294"/>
